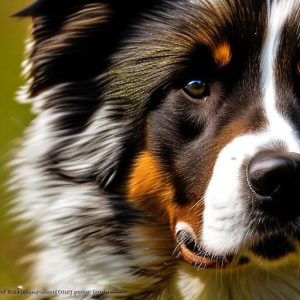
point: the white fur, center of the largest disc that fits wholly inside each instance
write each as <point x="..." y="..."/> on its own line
<point x="183" y="226"/>
<point x="23" y="94"/>
<point x="103" y="135"/>
<point x="279" y="125"/>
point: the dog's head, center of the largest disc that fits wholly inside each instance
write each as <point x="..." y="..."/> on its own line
<point x="189" y="109"/>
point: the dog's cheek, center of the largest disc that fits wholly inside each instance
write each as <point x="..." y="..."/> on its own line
<point x="149" y="188"/>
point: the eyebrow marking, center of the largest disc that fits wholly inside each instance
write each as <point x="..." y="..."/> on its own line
<point x="222" y="54"/>
<point x="298" y="68"/>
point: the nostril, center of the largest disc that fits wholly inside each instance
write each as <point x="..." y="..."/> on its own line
<point x="272" y="173"/>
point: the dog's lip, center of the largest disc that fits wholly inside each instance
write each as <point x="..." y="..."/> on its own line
<point x="204" y="260"/>
<point x="193" y="253"/>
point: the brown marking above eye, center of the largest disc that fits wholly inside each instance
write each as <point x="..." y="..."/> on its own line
<point x="298" y="68"/>
<point x="222" y="54"/>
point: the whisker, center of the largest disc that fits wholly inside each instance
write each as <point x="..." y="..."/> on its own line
<point x="199" y="202"/>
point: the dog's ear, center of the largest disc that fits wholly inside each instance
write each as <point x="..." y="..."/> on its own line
<point x="72" y="39"/>
<point x="70" y="48"/>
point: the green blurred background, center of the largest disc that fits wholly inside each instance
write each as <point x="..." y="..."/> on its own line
<point x="13" y="119"/>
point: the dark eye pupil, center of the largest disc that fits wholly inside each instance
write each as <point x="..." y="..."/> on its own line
<point x="196" y="88"/>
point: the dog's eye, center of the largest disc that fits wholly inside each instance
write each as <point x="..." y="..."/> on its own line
<point x="197" y="89"/>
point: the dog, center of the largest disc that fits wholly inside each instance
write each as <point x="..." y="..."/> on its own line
<point x="164" y="158"/>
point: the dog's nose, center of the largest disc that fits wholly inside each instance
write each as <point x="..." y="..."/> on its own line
<point x="275" y="178"/>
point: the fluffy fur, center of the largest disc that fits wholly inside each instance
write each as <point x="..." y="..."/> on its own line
<point x="119" y="158"/>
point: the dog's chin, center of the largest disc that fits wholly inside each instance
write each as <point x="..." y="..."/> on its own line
<point x="269" y="250"/>
<point x="273" y="248"/>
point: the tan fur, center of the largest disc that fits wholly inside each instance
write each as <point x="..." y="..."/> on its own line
<point x="149" y="188"/>
<point x="222" y="54"/>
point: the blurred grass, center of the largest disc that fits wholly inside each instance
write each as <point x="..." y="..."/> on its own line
<point x="13" y="119"/>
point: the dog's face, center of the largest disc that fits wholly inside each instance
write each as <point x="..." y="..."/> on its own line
<point x="195" y="118"/>
<point x="221" y="155"/>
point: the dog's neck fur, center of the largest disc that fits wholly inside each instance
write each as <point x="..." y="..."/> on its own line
<point x="251" y="281"/>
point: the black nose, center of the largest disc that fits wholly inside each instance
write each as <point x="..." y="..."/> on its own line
<point x="275" y="178"/>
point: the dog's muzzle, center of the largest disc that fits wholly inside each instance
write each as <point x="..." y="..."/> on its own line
<point x="272" y="182"/>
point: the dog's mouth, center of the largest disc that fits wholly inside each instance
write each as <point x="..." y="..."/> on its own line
<point x="192" y="253"/>
<point x="270" y="249"/>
